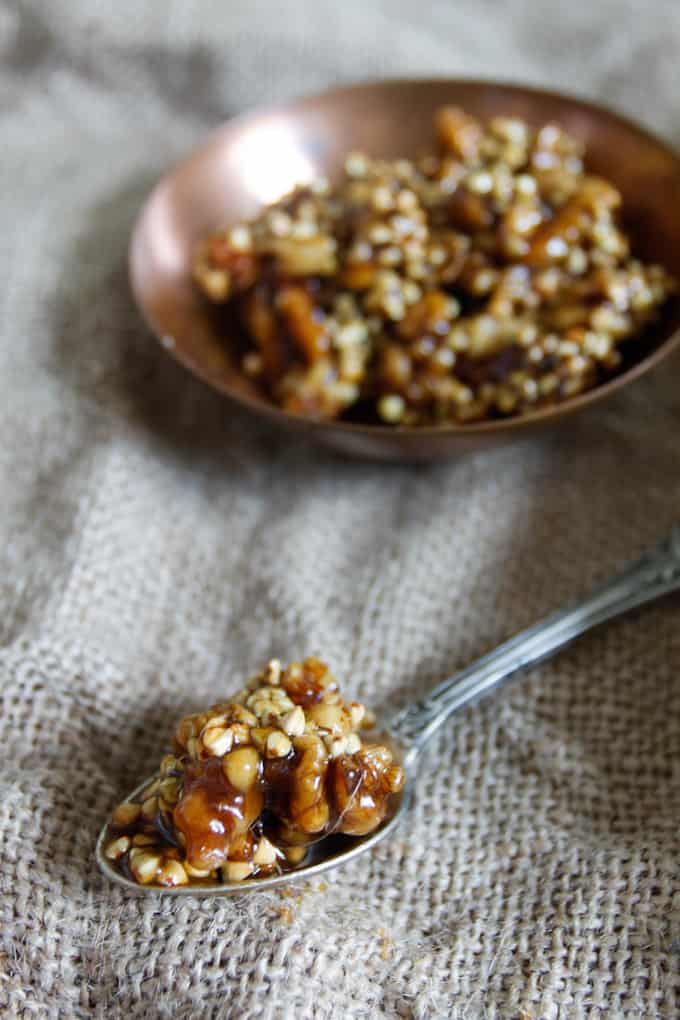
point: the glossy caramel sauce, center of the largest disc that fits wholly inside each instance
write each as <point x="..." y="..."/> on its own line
<point x="211" y="813"/>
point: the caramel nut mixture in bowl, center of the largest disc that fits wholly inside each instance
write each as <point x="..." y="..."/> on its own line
<point x="253" y="783"/>
<point x="486" y="280"/>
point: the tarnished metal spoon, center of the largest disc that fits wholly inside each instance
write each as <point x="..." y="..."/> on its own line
<point x="655" y="574"/>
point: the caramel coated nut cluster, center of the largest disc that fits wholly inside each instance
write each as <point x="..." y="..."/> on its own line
<point x="487" y="280"/>
<point x="252" y="782"/>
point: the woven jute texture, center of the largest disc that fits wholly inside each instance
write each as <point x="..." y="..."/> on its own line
<point x="155" y="547"/>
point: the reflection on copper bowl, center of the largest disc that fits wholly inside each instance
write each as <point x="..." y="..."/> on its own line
<point x="256" y="158"/>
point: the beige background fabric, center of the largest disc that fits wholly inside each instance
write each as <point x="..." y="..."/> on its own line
<point x="155" y="547"/>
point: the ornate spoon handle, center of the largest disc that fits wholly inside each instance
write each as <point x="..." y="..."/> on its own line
<point x="655" y="574"/>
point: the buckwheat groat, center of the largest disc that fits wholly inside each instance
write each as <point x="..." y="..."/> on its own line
<point x="488" y="279"/>
<point x="252" y="782"/>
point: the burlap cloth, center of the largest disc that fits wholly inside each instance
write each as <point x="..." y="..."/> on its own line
<point x="154" y="547"/>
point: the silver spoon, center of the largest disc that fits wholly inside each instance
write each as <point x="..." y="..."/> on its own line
<point x="655" y="574"/>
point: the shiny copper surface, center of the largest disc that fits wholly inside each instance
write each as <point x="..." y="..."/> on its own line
<point x="256" y="158"/>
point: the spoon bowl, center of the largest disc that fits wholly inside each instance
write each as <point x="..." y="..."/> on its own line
<point x="336" y="850"/>
<point x="255" y="159"/>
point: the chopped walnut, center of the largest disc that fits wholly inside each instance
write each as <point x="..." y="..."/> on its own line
<point x="406" y="294"/>
<point x="254" y="781"/>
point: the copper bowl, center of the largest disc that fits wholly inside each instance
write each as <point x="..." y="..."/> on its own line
<point x="254" y="159"/>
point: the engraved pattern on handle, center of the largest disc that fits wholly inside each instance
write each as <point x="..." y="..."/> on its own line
<point x="656" y="573"/>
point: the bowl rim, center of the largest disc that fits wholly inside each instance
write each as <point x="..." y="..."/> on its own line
<point x="264" y="408"/>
